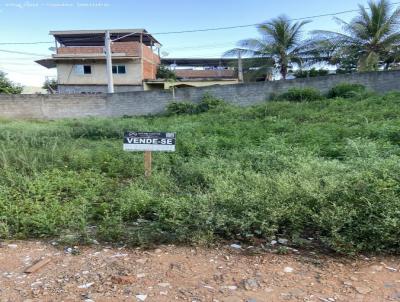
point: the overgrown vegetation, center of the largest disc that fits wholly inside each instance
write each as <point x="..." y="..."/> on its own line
<point x="327" y="169"/>
<point x="347" y="90"/>
<point x="307" y="94"/>
<point x="208" y="102"/>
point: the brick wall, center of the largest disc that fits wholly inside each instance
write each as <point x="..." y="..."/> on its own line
<point x="130" y="48"/>
<point x="79" y="50"/>
<point x="152" y="102"/>
<point x="149" y="70"/>
<point x="150" y="63"/>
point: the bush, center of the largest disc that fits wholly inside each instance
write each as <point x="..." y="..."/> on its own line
<point x="346" y="90"/>
<point x="310" y="73"/>
<point x="300" y="95"/>
<point x="181" y="108"/>
<point x="208" y="102"/>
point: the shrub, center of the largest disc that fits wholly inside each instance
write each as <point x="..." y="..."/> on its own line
<point x="307" y="94"/>
<point x="346" y="90"/>
<point x="181" y="108"/>
<point x="208" y="102"/>
<point x="310" y="73"/>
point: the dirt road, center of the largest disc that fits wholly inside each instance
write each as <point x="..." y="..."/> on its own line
<point x="171" y="273"/>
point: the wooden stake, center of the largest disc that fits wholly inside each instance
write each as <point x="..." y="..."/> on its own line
<point x="147" y="164"/>
<point x="38" y="265"/>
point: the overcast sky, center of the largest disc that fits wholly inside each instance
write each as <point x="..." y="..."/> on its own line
<point x="31" y="21"/>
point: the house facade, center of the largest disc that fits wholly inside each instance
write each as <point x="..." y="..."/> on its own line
<point x="81" y="62"/>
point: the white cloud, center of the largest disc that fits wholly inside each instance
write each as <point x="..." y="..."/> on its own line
<point x="25" y="72"/>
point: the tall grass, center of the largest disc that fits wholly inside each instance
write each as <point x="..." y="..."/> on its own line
<point x="327" y="169"/>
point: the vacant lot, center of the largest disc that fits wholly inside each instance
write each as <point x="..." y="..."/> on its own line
<point x="325" y="169"/>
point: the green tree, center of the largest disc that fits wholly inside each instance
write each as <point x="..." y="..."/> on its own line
<point x="8" y="87"/>
<point x="164" y="72"/>
<point x="281" y="41"/>
<point x="370" y="41"/>
<point x="50" y="85"/>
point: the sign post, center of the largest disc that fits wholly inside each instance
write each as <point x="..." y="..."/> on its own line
<point x="148" y="142"/>
<point x="147" y="163"/>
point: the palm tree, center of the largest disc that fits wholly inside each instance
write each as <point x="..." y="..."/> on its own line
<point x="281" y="42"/>
<point x="372" y="38"/>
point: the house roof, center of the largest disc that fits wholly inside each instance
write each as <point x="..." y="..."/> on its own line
<point x="52" y="62"/>
<point x="48" y="63"/>
<point x="96" y="37"/>
<point x="224" y="62"/>
<point x="205" y="74"/>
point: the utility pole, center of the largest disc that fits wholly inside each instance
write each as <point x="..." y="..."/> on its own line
<point x="240" y="67"/>
<point x="110" y="80"/>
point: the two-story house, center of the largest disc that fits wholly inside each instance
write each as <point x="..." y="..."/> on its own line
<point x="81" y="62"/>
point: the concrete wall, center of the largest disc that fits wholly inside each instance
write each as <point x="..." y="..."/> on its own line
<point x="152" y="102"/>
<point x="93" y="89"/>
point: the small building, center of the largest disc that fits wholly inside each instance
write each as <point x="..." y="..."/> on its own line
<point x="81" y="62"/>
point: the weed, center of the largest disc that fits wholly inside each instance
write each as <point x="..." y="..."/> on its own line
<point x="326" y="169"/>
<point x="300" y="95"/>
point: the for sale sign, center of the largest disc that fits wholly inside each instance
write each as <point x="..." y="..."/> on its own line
<point x="149" y="141"/>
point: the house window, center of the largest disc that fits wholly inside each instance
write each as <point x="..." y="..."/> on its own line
<point x="83" y="69"/>
<point x="119" y="69"/>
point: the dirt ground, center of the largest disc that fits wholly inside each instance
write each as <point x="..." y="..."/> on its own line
<point x="169" y="273"/>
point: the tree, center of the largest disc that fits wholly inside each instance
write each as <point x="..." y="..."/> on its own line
<point x="50" y="85"/>
<point x="164" y="72"/>
<point x="8" y="87"/>
<point x="370" y="41"/>
<point x="281" y="41"/>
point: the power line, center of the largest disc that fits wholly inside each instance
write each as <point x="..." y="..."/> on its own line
<point x="49" y="42"/>
<point x="12" y="63"/>
<point x="257" y="24"/>
<point x="203" y="46"/>
<point x="9" y="59"/>
<point x="205" y="29"/>
<point x="23" y="53"/>
<point x="26" y="43"/>
<point x="27" y="73"/>
<point x="180" y="32"/>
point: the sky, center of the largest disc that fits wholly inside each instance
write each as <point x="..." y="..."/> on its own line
<point x="31" y="21"/>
